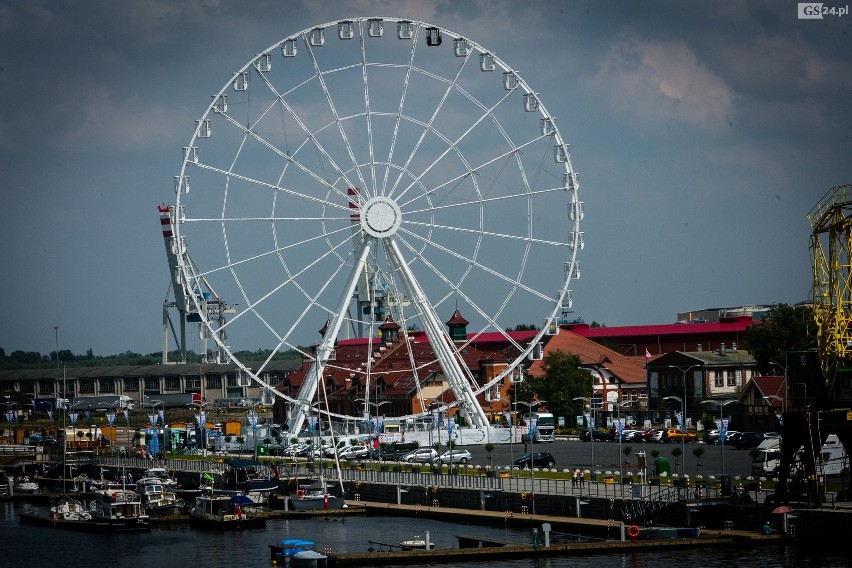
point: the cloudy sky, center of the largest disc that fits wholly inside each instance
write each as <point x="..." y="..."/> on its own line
<point x="703" y="134"/>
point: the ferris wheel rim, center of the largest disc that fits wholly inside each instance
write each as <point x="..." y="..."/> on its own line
<point x="524" y="351"/>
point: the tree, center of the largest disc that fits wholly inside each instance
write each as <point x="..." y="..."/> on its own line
<point x="785" y="328"/>
<point x="563" y="380"/>
<point x="698" y="452"/>
<point x="489" y="449"/>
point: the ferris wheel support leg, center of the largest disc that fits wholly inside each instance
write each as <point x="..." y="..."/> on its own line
<point x="309" y="387"/>
<point x="446" y="355"/>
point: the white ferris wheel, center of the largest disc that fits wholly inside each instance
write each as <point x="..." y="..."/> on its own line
<point x="372" y="168"/>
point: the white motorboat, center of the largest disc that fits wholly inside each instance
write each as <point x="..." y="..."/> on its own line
<point x="157" y="499"/>
<point x="70" y="510"/>
<point x="315" y="497"/>
<point x="24" y="484"/>
<point x="225" y="512"/>
<point x="121" y="509"/>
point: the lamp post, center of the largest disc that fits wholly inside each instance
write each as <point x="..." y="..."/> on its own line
<point x="588" y="402"/>
<point x="531" y="426"/>
<point x="516" y="380"/>
<point x="56" y="333"/>
<point x="682" y="433"/>
<point x="251" y="417"/>
<point x="152" y="418"/>
<point x="722" y="425"/>
<point x="683" y="416"/>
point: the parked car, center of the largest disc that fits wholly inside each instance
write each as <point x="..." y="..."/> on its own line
<point x="658" y="436"/>
<point x="395" y="451"/>
<point x="421" y="455"/>
<point x="676" y="435"/>
<point x="645" y="436"/>
<point x="599" y="435"/>
<point x="711" y="437"/>
<point x="456" y="456"/>
<point x="354" y="453"/>
<point x="748" y="440"/>
<point x="536" y="459"/>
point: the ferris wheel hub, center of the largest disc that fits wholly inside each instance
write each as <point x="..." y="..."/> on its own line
<point x="380" y="217"/>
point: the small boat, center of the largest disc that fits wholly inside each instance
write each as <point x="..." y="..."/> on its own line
<point x="161" y="474"/>
<point x="417" y="543"/>
<point x="315" y="497"/>
<point x="120" y="509"/>
<point x="157" y="500"/>
<point x="289" y="547"/>
<point x="24" y="484"/>
<point x="226" y="512"/>
<point x="69" y="509"/>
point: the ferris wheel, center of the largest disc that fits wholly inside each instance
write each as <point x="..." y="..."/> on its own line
<point x="372" y="170"/>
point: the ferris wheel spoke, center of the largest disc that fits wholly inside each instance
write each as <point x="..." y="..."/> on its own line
<point x="291" y="279"/>
<point x="428" y="127"/>
<point x="368" y="117"/>
<point x="452" y="146"/>
<point x="473" y="262"/>
<point x="402" y="98"/>
<point x="281" y="154"/>
<point x="485" y="200"/>
<point x="512" y="152"/>
<point x="330" y="102"/>
<point x="524" y="238"/>
<point x="454" y="287"/>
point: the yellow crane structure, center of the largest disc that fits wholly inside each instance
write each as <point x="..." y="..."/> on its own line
<point x="828" y="398"/>
<point x="831" y="250"/>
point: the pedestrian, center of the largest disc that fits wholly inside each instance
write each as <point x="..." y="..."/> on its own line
<point x="574" y="478"/>
<point x="582" y="478"/>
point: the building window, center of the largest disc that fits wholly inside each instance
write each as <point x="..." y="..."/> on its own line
<point x="172" y="383"/>
<point x="87" y="386"/>
<point x="106" y="386"/>
<point x="732" y="379"/>
<point x="193" y="383"/>
<point x="718" y="378"/>
<point x="213" y="382"/>
<point x="152" y="384"/>
<point x="45" y="387"/>
<point x="233" y="381"/>
<point x="27" y="387"/>
<point x="131" y="385"/>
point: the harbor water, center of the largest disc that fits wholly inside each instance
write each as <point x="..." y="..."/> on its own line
<point x="26" y="546"/>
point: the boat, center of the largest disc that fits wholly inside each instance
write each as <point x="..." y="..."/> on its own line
<point x="315" y="497"/>
<point x="157" y="499"/>
<point x="69" y="509"/>
<point x="288" y="548"/>
<point x="24" y="484"/>
<point x="225" y="512"/>
<point x="161" y="474"/>
<point x="120" y="509"/>
<point x="250" y="478"/>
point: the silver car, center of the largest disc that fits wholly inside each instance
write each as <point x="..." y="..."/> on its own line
<point x="422" y="455"/>
<point x="456" y="456"/>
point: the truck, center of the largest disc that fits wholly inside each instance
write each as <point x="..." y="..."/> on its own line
<point x="543" y="425"/>
<point x="832" y="459"/>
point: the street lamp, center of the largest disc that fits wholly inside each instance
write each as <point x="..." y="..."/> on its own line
<point x="152" y="418"/>
<point x="683" y="416"/>
<point x="721" y="425"/>
<point x="531" y="426"/>
<point x="588" y="402"/>
<point x="515" y="380"/>
<point x="251" y="417"/>
<point x="56" y="331"/>
<point x="682" y="433"/>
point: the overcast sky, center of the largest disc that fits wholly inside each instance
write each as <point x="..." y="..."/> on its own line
<point x="703" y="133"/>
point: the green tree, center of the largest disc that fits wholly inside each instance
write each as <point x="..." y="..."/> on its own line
<point x="563" y="380"/>
<point x="785" y="328"/>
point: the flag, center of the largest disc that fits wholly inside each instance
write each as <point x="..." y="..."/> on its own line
<point x="647" y="355"/>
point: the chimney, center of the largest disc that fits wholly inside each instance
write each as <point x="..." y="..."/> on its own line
<point x="698" y="348"/>
<point x="721" y="349"/>
<point x="734" y="346"/>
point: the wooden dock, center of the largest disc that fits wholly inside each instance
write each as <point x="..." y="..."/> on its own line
<point x="502" y="550"/>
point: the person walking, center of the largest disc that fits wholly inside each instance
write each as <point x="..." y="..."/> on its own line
<point x="582" y="478"/>
<point x="574" y="475"/>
